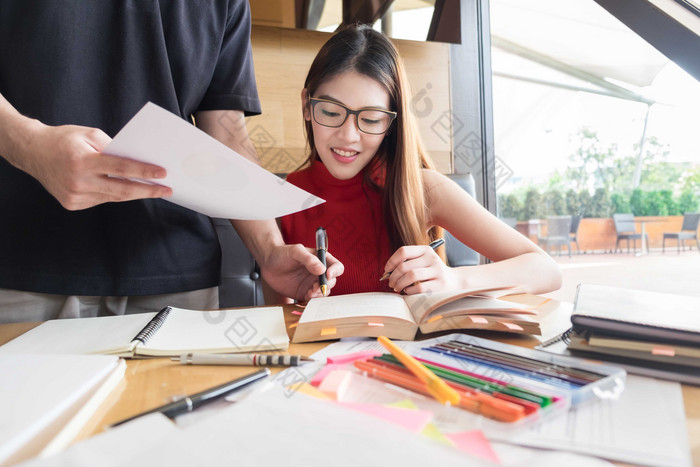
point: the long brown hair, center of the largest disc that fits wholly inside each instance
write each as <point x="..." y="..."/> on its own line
<point x="401" y="155"/>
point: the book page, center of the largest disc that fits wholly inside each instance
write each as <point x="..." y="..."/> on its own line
<point x="477" y="305"/>
<point x="237" y="330"/>
<point x="360" y="305"/>
<point x="422" y="304"/>
<point x="103" y="334"/>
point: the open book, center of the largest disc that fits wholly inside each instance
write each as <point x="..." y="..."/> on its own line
<point x="396" y="316"/>
<point x="170" y="332"/>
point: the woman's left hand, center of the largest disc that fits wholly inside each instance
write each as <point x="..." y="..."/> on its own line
<point x="418" y="269"/>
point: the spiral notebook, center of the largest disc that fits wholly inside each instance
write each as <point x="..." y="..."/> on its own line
<point x="170" y="332"/>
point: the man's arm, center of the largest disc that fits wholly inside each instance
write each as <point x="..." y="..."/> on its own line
<point x="67" y="161"/>
<point x="291" y="270"/>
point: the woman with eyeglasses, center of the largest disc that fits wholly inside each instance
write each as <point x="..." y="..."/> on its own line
<point x="384" y="201"/>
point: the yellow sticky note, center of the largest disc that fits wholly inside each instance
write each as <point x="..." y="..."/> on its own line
<point x="305" y="388"/>
<point x="432" y="432"/>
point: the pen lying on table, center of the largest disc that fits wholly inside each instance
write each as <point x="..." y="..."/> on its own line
<point x="434" y="245"/>
<point x="245" y="359"/>
<point x="189" y="403"/>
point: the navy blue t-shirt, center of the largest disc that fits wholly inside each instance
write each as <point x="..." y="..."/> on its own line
<point x="96" y="63"/>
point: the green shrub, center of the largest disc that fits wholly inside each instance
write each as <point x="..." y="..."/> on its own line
<point x="671" y="205"/>
<point x="600" y="204"/>
<point x="688" y="202"/>
<point x="637" y="203"/>
<point x="532" y="205"/>
<point x="509" y="206"/>
<point x="619" y="204"/>
<point x="554" y="204"/>
<point x="584" y="203"/>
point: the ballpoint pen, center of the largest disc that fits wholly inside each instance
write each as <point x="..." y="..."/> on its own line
<point x="241" y="359"/>
<point x="321" y="248"/>
<point x="435" y="244"/>
<point x="189" y="403"/>
<point x="434" y="385"/>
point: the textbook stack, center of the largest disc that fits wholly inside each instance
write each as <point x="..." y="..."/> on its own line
<point x="655" y="334"/>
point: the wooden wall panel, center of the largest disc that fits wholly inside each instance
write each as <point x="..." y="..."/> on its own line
<point x="282" y="58"/>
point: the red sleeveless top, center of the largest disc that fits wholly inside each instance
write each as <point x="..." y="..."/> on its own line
<point x="353" y="218"/>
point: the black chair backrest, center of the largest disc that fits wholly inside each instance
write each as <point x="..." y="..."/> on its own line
<point x="624" y="222"/>
<point x="575" y="221"/>
<point x="690" y="221"/>
<point x="558" y="226"/>
<point x="459" y="254"/>
<point x="241" y="284"/>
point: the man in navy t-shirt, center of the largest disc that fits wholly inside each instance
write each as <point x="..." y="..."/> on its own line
<point x="75" y="241"/>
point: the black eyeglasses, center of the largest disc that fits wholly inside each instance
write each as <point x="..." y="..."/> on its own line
<point x="332" y="114"/>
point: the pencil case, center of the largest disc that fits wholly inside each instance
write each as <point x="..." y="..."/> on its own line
<point x="504" y="387"/>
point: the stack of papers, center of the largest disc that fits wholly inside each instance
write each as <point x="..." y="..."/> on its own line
<point x="47" y="399"/>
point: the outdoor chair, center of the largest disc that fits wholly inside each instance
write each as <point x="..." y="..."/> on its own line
<point x="625" y="229"/>
<point x="689" y="231"/>
<point x="510" y="221"/>
<point x="558" y="233"/>
<point x="575" y="221"/>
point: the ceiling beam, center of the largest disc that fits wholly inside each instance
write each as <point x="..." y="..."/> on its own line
<point x="529" y="54"/>
<point x="667" y="34"/>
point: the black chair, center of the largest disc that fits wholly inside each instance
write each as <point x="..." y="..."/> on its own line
<point x="459" y="254"/>
<point x="241" y="284"/>
<point x="689" y="231"/>
<point x="558" y="234"/>
<point x="625" y="230"/>
<point x="575" y="221"/>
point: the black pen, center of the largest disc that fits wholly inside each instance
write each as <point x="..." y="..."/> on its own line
<point x="189" y="403"/>
<point x="321" y="248"/>
<point x="435" y="244"/>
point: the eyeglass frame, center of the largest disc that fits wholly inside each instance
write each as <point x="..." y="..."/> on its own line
<point x="349" y="111"/>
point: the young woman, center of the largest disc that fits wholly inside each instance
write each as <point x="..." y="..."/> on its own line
<point x="384" y="202"/>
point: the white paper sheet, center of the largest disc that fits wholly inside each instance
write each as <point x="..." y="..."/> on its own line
<point x="115" y="447"/>
<point x="204" y="174"/>
<point x="646" y="426"/>
<point x="273" y="428"/>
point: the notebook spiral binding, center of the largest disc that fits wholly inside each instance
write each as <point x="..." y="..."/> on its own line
<point x="153" y="325"/>
<point x="563" y="337"/>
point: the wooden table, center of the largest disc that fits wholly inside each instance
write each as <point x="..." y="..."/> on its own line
<point x="153" y="382"/>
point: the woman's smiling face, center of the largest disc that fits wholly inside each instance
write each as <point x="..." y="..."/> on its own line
<point x="346" y="150"/>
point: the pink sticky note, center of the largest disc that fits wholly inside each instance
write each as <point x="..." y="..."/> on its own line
<point x="478" y="319"/>
<point x="475" y="443"/>
<point x="351" y="357"/>
<point x="335" y="383"/>
<point x="318" y="377"/>
<point x="413" y="420"/>
<point x="667" y="351"/>
<point x="513" y="326"/>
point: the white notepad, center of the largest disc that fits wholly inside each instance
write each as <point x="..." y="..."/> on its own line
<point x="170" y="332"/>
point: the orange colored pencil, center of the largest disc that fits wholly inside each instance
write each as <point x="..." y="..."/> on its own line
<point x="472" y="401"/>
